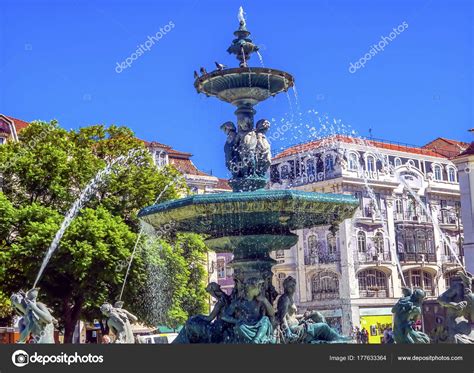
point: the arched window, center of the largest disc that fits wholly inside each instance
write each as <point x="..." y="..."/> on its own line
<point x="398" y="162"/>
<point x="378" y="242"/>
<point x="417" y="278"/>
<point x="353" y="162"/>
<point x="312" y="245"/>
<point x="446" y="243"/>
<point x="421" y="241"/>
<point x="285" y="172"/>
<point x="437" y="173"/>
<point x="329" y="163"/>
<point x="399" y="206"/>
<point x="325" y="285"/>
<point x="411" y="163"/>
<point x="331" y="243"/>
<point x="361" y="242"/>
<point x="451" y="175"/>
<point x="370" y="163"/>
<point x="310" y="168"/>
<point x="372" y="283"/>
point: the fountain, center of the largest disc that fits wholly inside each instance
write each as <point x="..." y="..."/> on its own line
<point x="252" y="221"/>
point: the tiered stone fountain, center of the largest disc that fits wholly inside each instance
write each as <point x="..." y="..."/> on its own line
<point x="252" y="221"/>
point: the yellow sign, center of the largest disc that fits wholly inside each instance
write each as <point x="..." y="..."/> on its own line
<point x="375" y="325"/>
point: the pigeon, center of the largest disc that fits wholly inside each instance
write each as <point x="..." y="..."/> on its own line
<point x="196" y="75"/>
<point x="220" y="66"/>
<point x="203" y="71"/>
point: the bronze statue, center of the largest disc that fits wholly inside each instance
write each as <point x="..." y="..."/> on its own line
<point x="263" y="152"/>
<point x="211" y="328"/>
<point x="312" y="328"/>
<point x="250" y="315"/>
<point x="459" y="303"/>
<point x="406" y="312"/>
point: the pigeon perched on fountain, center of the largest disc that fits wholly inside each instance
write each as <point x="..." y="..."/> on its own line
<point x="203" y="71"/>
<point x="220" y="66"/>
<point x="196" y="75"/>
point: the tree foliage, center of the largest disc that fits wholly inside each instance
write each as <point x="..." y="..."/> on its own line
<point x="42" y="175"/>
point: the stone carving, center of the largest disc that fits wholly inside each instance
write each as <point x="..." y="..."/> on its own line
<point x="459" y="303"/>
<point x="406" y="312"/>
<point x="36" y="322"/>
<point x="311" y="329"/>
<point x="119" y="322"/>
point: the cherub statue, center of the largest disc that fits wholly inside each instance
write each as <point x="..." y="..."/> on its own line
<point x="250" y="315"/>
<point x="246" y="146"/>
<point x="118" y="323"/>
<point x="406" y="312"/>
<point x="229" y="147"/>
<point x="311" y="329"/>
<point x="263" y="152"/>
<point x="459" y="303"/>
<point x="36" y="319"/>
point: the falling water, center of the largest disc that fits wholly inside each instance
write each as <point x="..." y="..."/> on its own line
<point x="140" y="233"/>
<point x="260" y="58"/>
<point x="85" y="195"/>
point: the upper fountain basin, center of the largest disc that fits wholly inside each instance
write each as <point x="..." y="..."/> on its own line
<point x="270" y="212"/>
<point x="244" y="84"/>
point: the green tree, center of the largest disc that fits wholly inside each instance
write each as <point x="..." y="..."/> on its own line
<point x="43" y="174"/>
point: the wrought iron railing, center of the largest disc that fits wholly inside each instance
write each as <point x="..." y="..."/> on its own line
<point x="417" y="257"/>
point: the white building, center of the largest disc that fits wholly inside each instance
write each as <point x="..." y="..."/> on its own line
<point x="353" y="277"/>
<point x="465" y="164"/>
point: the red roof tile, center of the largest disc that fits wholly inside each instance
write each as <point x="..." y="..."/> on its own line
<point x="223" y="184"/>
<point x="312" y="145"/>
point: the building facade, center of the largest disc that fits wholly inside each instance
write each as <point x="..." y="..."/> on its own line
<point x="407" y="229"/>
<point x="465" y="164"/>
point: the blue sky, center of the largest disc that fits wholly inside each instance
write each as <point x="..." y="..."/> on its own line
<point x="58" y="60"/>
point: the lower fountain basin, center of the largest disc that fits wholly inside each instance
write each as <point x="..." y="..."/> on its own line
<point x="270" y="214"/>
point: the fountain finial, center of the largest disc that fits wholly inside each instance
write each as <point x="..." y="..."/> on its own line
<point x="243" y="46"/>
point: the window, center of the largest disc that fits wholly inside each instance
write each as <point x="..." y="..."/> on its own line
<point x="331" y="242"/>
<point x="280" y="278"/>
<point x="312" y="245"/>
<point x="446" y="244"/>
<point x="2" y="140"/>
<point x="372" y="282"/>
<point x="378" y="242"/>
<point x="161" y="158"/>
<point x="353" y="162"/>
<point x="451" y="175"/>
<point x="310" y="169"/>
<point x="285" y="172"/>
<point x="437" y="173"/>
<point x="361" y="242"/>
<point x="411" y="163"/>
<point x="399" y="206"/>
<point x="417" y="278"/>
<point x="220" y="268"/>
<point x="329" y="165"/>
<point x="370" y="163"/>
<point x="280" y="254"/>
<point x="398" y="162"/>
<point x="325" y="285"/>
